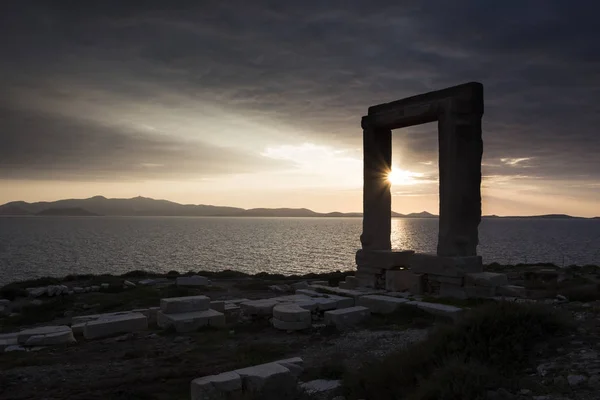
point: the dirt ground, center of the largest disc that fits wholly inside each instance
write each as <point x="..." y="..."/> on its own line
<point x="155" y="364"/>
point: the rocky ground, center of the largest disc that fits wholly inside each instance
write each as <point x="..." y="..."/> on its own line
<point x="158" y="364"/>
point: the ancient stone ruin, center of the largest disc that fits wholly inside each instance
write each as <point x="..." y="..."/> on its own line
<point x="458" y="110"/>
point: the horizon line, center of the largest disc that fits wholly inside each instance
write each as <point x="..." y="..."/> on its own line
<point x="289" y="208"/>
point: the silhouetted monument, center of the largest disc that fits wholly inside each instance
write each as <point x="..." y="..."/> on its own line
<point x="458" y="111"/>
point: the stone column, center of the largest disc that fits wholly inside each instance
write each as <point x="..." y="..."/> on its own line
<point x="460" y="152"/>
<point x="377" y="198"/>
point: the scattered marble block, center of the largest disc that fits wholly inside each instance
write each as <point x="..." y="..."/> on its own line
<point x="291" y="313"/>
<point x="92" y="317"/>
<point x="8" y="339"/>
<point x="276" y="380"/>
<point x="195" y="280"/>
<point x="326" y="304"/>
<point x="271" y="380"/>
<point x="322" y="283"/>
<point x="36" y="292"/>
<point x="354" y="293"/>
<point x="51" y="339"/>
<point x="191" y="321"/>
<point x="262" y="307"/>
<point x="438" y="309"/>
<point x="78" y="328"/>
<point x="309" y="292"/>
<point x="116" y="324"/>
<point x="236" y="301"/>
<point x="295" y="365"/>
<point x="486" y="279"/>
<point x="150" y="313"/>
<point x="381" y="304"/>
<point x="227" y="385"/>
<point x="175" y="305"/>
<point x="309" y="305"/>
<point x="217" y="306"/>
<point x="341" y="301"/>
<point x="346" y="317"/>
<point x="24" y="335"/>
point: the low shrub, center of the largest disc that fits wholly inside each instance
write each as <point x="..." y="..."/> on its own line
<point x="497" y="335"/>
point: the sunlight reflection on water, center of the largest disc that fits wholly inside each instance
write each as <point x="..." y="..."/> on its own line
<point x="38" y="246"/>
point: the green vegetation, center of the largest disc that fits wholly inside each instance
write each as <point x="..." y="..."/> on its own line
<point x="463" y="360"/>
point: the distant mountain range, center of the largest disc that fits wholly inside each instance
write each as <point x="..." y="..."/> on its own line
<point x="143" y="206"/>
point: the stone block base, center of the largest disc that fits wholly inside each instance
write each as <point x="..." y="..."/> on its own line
<point x="403" y="280"/>
<point x="445" y="266"/>
<point x="383" y="259"/>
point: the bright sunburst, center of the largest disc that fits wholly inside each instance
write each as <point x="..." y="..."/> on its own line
<point x="399" y="176"/>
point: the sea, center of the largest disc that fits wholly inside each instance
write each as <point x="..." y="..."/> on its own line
<point x="32" y="247"/>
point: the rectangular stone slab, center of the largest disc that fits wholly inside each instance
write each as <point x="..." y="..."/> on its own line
<point x="354" y="293"/>
<point x="104" y="327"/>
<point x="222" y="386"/>
<point x="381" y="304"/>
<point x="192" y="321"/>
<point x="401" y="280"/>
<point x="268" y="380"/>
<point x="24" y="335"/>
<point x="346" y="317"/>
<point x="383" y="259"/>
<point x="175" y="305"/>
<point x="439" y="309"/>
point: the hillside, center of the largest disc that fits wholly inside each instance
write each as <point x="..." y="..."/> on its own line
<point x="66" y="212"/>
<point x="144" y="206"/>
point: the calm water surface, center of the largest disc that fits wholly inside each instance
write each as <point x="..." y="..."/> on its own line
<point x="40" y="246"/>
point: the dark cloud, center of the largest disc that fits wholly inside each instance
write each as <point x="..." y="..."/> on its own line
<point x="39" y="146"/>
<point x="318" y="66"/>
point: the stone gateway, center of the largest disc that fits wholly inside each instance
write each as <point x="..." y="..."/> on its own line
<point x="458" y="110"/>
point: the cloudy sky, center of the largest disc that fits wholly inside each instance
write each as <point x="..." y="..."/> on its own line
<point x="258" y="103"/>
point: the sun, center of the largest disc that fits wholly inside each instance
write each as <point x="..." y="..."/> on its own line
<point x="398" y="176"/>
